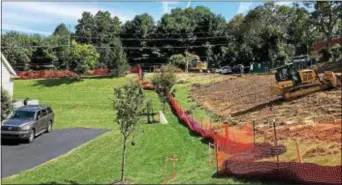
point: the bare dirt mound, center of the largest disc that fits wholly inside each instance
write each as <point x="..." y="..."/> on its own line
<point x="234" y="95"/>
<point x="329" y="66"/>
<point x="327" y="132"/>
<point x="313" y="108"/>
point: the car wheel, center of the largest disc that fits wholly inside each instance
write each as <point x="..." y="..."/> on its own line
<point x="31" y="136"/>
<point x="49" y="127"/>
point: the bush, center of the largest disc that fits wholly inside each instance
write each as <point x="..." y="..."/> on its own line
<point x="6" y="105"/>
<point x="325" y="55"/>
<point x="171" y="68"/>
<point x="178" y="60"/>
<point x="336" y="51"/>
<point x="163" y="83"/>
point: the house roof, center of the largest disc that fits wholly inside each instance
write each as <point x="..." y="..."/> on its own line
<point x="8" y="66"/>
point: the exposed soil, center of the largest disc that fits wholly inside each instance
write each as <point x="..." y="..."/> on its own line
<point x="250" y="95"/>
<point x="329" y="66"/>
<point x="313" y="108"/>
<point x="237" y="94"/>
<point x="328" y="132"/>
<point x="313" y="119"/>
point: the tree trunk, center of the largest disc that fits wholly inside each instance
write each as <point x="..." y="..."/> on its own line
<point x="123" y="164"/>
<point x="164" y="106"/>
<point x="328" y="43"/>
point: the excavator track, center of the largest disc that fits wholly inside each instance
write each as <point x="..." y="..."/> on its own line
<point x="301" y="90"/>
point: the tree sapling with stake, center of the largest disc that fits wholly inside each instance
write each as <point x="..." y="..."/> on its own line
<point x="128" y="104"/>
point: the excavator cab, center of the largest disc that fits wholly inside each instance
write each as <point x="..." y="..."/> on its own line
<point x="287" y="73"/>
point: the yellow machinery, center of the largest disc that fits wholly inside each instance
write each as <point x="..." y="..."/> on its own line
<point x="292" y="83"/>
<point x="198" y="65"/>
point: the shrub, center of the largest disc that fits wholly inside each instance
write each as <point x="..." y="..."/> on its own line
<point x="6" y="105"/>
<point x="171" y="68"/>
<point x="163" y="83"/>
<point x="325" y="55"/>
<point x="336" y="51"/>
<point x="178" y="60"/>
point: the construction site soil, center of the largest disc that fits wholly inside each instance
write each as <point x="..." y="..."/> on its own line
<point x="313" y="120"/>
<point x="249" y="98"/>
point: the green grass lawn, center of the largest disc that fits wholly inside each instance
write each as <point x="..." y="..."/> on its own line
<point x="88" y="104"/>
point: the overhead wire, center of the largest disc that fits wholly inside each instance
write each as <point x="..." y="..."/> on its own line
<point x="126" y="48"/>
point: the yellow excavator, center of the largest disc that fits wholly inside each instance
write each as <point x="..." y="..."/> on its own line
<point x="292" y="83"/>
<point x="197" y="65"/>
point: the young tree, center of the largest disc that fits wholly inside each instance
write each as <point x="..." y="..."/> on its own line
<point x="128" y="104"/>
<point x="62" y="36"/>
<point x="163" y="83"/>
<point x="117" y="62"/>
<point x="84" y="57"/>
<point x="178" y="60"/>
<point x="6" y="106"/>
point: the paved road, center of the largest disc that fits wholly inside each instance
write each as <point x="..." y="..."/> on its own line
<point x="17" y="157"/>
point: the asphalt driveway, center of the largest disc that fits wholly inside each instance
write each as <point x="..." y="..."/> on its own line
<point x="17" y="157"/>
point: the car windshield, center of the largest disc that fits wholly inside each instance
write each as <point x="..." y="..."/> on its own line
<point x="23" y="115"/>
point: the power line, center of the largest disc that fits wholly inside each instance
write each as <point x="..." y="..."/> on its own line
<point x="159" y="39"/>
<point x="126" y="48"/>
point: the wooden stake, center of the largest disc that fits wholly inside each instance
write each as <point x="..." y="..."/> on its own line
<point x="227" y="135"/>
<point x="174" y="159"/>
<point x="300" y="159"/>
<point x="254" y="134"/>
<point x="275" y="139"/>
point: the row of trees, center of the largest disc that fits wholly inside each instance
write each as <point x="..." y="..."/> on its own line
<point x="59" y="51"/>
<point x="267" y="33"/>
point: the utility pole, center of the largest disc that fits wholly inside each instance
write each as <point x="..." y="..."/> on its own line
<point x="69" y="38"/>
<point x="186" y="61"/>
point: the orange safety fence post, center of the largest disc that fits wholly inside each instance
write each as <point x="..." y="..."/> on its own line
<point x="300" y="159"/>
<point x="227" y="135"/>
<point x="254" y="134"/>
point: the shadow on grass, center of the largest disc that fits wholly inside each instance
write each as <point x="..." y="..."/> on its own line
<point x="249" y="181"/>
<point x="64" y="182"/>
<point x="66" y="81"/>
<point x="55" y="82"/>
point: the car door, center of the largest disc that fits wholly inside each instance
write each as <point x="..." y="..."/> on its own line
<point x="41" y="120"/>
<point x="50" y="115"/>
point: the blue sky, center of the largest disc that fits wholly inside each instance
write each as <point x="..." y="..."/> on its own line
<point x="43" y="17"/>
